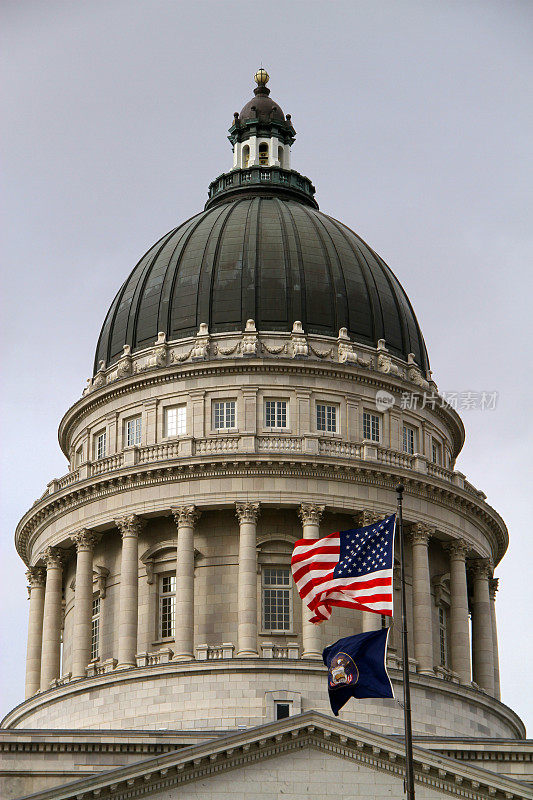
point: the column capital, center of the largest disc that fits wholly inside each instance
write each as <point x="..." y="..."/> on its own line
<point x="84" y="539"/>
<point x="481" y="568"/>
<point x="185" y="515"/>
<point x="36" y="576"/>
<point x="457" y="549"/>
<point x="493" y="587"/>
<point x="311" y="513"/>
<point x="54" y="557"/>
<point x="129" y="525"/>
<point x="419" y="534"/>
<point x="367" y="517"/>
<point x="247" y="512"/>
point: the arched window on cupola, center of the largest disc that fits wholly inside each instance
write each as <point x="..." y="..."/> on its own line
<point x="245" y="156"/>
<point x="280" y="156"/>
<point x="263" y="154"/>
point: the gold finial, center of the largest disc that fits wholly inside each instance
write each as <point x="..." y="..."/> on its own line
<point x="261" y="77"/>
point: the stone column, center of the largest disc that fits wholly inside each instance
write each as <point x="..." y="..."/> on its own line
<point x="482" y="645"/>
<point x="83" y="601"/>
<point x="370" y="621"/>
<point x="459" y="621"/>
<point x="310" y="514"/>
<point x="128" y="599"/>
<point x="36" y="582"/>
<point x="247" y="514"/>
<point x="422" y="611"/>
<point x="53" y="608"/>
<point x="493" y="588"/>
<point x="185" y="517"/>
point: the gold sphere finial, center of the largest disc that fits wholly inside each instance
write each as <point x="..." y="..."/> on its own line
<point x="261" y="77"/>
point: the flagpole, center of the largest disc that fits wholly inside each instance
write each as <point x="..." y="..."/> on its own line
<point x="409" y="774"/>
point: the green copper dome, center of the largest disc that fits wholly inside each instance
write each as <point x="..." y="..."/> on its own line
<point x="267" y="256"/>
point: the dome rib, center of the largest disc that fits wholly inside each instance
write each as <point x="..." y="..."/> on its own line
<point x="265" y="257"/>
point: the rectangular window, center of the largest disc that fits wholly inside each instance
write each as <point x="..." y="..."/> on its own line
<point x="409" y="439"/>
<point x="276" y="414"/>
<point x="223" y="414"/>
<point x="176" y="421"/>
<point x="277" y="597"/>
<point x="100" y="445"/>
<point x="95" y="629"/>
<point x="371" y="426"/>
<point x="443" y="636"/>
<point x="282" y="710"/>
<point x="436" y="452"/>
<point x="167" y="606"/>
<point x="326" y="418"/>
<point x="133" y="431"/>
<point x="78" y="456"/>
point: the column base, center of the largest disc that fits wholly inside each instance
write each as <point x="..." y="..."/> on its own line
<point x="183" y="657"/>
<point x="314" y="655"/>
<point x="247" y="654"/>
<point x="125" y="666"/>
<point x="430" y="672"/>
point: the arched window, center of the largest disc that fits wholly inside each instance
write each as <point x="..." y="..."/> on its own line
<point x="280" y="156"/>
<point x="263" y="154"/>
<point x="245" y="156"/>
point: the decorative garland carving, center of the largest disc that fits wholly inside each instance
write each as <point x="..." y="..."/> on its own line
<point x="179" y="359"/>
<point x="274" y="351"/>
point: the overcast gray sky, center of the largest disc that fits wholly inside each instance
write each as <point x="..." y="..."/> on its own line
<point x="414" y="121"/>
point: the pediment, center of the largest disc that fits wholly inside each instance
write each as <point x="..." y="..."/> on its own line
<point x="305" y="756"/>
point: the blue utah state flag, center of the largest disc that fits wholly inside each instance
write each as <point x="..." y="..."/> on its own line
<point x="356" y="668"/>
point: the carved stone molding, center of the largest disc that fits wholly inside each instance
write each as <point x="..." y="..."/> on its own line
<point x="481" y="568"/>
<point x="247" y="512"/>
<point x="84" y="539"/>
<point x="457" y="550"/>
<point x="129" y="525"/>
<point x="54" y="558"/>
<point x="419" y="534"/>
<point x="493" y="587"/>
<point x="185" y="515"/>
<point x="311" y="513"/>
<point x="36" y="576"/>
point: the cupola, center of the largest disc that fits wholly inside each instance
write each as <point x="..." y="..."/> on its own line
<point x="261" y="134"/>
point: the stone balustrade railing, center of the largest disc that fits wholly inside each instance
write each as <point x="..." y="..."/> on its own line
<point x="271" y="650"/>
<point x="163" y="656"/>
<point x="206" y="652"/>
<point x="276" y="443"/>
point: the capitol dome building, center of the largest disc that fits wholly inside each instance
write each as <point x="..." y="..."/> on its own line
<point x="260" y="377"/>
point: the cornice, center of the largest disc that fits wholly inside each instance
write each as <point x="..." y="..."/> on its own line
<point x="77" y="495"/>
<point x="312" y="729"/>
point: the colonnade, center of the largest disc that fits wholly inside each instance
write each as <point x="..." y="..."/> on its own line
<point x="46" y="603"/>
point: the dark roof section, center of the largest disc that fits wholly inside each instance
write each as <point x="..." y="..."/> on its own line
<point x="267" y="258"/>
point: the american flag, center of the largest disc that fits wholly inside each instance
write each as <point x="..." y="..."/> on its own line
<point x="350" y="568"/>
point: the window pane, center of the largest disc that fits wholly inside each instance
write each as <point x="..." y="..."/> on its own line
<point x="276" y="414"/>
<point x="276" y="599"/>
<point x="370" y="426"/>
<point x="167" y="606"/>
<point x="133" y="431"/>
<point x="101" y="445"/>
<point x="409" y="436"/>
<point x="176" y="419"/>
<point x="95" y="629"/>
<point x="224" y="414"/>
<point x="321" y="417"/>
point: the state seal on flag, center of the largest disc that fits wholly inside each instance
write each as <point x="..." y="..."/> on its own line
<point x="342" y="671"/>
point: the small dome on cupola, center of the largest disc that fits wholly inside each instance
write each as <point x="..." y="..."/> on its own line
<point x="262" y="107"/>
